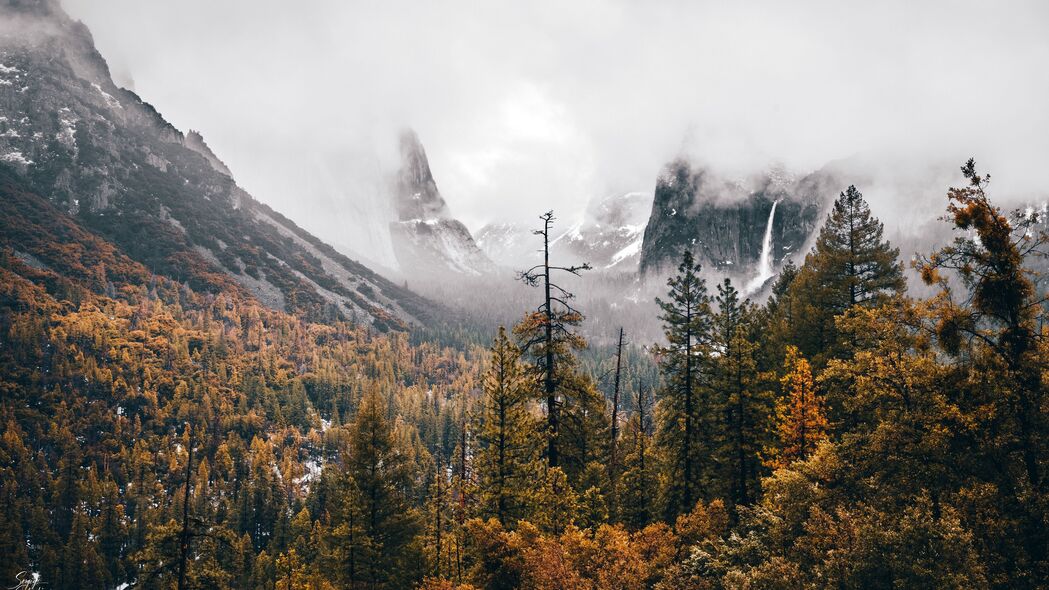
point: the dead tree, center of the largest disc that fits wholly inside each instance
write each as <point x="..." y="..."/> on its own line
<point x="554" y="316"/>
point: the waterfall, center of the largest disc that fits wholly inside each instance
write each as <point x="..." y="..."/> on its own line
<point x="765" y="260"/>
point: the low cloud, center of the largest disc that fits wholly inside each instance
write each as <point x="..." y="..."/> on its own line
<point x="526" y="106"/>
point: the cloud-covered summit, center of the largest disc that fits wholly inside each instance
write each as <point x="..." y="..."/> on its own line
<point x="529" y="106"/>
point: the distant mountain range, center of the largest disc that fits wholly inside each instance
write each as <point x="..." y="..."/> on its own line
<point x="107" y="161"/>
<point x="723" y="221"/>
<point x="608" y="236"/>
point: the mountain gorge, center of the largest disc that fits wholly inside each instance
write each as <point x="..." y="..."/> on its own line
<point x="109" y="160"/>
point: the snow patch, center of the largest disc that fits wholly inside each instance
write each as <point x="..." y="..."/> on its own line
<point x="67" y="135"/>
<point x="632" y="249"/>
<point x="112" y="102"/>
<point x="16" y="158"/>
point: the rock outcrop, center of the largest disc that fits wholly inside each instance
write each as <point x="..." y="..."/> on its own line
<point x="723" y="221"/>
<point x="429" y="243"/>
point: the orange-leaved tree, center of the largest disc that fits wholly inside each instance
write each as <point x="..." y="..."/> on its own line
<point x="803" y="423"/>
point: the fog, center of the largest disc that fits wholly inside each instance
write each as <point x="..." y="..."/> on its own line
<point x="528" y="106"/>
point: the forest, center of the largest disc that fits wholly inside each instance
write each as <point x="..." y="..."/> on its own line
<point x="845" y="433"/>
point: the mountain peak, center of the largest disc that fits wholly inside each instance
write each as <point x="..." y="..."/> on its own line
<point x="427" y="240"/>
<point x="110" y="164"/>
<point x="416" y="195"/>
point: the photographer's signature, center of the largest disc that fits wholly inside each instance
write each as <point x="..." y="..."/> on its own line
<point x="26" y="581"/>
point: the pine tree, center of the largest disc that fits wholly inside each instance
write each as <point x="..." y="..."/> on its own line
<point x="746" y="404"/>
<point x="997" y="327"/>
<point x="548" y="337"/>
<point x="635" y="489"/>
<point x="851" y="264"/>
<point x="778" y="318"/>
<point x="803" y="424"/>
<point x="380" y="498"/>
<point x="440" y="523"/>
<point x="683" y="436"/>
<point x="82" y="567"/>
<point x="614" y="459"/>
<point x="584" y="432"/>
<point x="554" y="502"/>
<point x="506" y="436"/>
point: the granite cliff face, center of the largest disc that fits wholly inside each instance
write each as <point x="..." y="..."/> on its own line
<point x="110" y="161"/>
<point x="429" y="243"/>
<point x="724" y="221"/>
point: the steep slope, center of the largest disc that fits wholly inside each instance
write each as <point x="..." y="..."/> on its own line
<point x="102" y="155"/>
<point x="427" y="240"/>
<point x="724" y="222"/>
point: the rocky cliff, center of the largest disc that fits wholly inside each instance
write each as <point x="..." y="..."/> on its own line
<point x="723" y="221"/>
<point x="429" y="243"/>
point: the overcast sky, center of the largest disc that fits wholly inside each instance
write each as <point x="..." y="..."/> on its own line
<point x="525" y="106"/>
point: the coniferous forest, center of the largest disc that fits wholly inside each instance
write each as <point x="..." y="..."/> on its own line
<point x="704" y="369"/>
<point x="848" y="432"/>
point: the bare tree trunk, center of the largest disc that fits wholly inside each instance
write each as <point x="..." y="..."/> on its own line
<point x="437" y="519"/>
<point x="551" y="395"/>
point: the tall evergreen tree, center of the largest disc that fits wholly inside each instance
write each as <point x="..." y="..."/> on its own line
<point x="851" y="264"/>
<point x="576" y="418"/>
<point x="683" y="435"/>
<point x="743" y="397"/>
<point x="802" y="420"/>
<point x="382" y="553"/>
<point x="998" y="327"/>
<point x="636" y="484"/>
<point x="548" y="335"/>
<point x="613" y="439"/>
<point x="506" y="436"/>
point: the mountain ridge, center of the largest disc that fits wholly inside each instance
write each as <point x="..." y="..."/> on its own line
<point x="109" y="160"/>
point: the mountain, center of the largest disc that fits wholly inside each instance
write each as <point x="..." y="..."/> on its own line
<point x="427" y="240"/>
<point x="108" y="160"/>
<point x="507" y="244"/>
<point x="608" y="236"/>
<point x="724" y="221"/>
